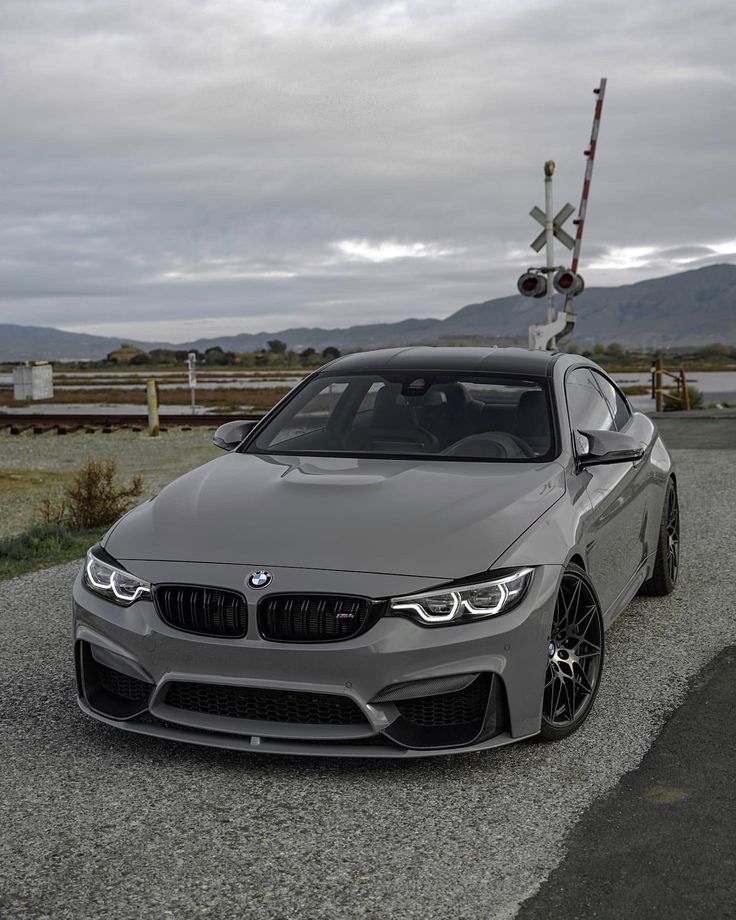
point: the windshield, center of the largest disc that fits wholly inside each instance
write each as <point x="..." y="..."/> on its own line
<point x="432" y="415"/>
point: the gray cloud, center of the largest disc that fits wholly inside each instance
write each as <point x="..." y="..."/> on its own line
<point x="186" y="168"/>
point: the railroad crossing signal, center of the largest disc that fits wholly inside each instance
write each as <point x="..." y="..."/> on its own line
<point x="568" y="283"/>
<point x="535" y="282"/>
<point x="532" y="284"/>
<point x="562" y="235"/>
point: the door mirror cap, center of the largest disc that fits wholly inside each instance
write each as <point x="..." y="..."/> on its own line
<point x="596" y="448"/>
<point x="231" y="434"/>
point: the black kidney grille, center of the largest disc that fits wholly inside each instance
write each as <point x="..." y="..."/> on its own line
<point x="264" y="705"/>
<point x="458" y="708"/>
<point x="314" y="617"/>
<point x="208" y="611"/>
<point x="119" y="684"/>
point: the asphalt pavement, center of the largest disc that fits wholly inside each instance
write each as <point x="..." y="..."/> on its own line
<point x="662" y="843"/>
<point x="100" y="824"/>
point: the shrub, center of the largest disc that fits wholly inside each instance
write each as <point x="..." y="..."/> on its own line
<point x="673" y="404"/>
<point x="95" y="499"/>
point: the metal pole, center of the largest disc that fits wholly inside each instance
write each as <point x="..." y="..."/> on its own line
<point x="152" y="401"/>
<point x="549" y="229"/>
<point x="658" y="392"/>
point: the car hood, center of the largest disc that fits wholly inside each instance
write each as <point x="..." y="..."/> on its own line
<point x="443" y="519"/>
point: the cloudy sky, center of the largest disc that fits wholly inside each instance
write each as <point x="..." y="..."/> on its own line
<point x="180" y="168"/>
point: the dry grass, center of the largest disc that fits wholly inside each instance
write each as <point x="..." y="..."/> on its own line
<point x="17" y="483"/>
<point x="258" y="398"/>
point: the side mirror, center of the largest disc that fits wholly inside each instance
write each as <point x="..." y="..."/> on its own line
<point x="596" y="448"/>
<point x="229" y="435"/>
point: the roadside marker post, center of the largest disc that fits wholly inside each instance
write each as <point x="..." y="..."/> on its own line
<point x="192" y="367"/>
<point x="154" y="429"/>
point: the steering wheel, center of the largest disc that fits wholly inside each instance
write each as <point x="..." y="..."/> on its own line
<point x="494" y="444"/>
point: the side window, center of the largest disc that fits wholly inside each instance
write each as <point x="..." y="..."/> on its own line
<point x="623" y="413"/>
<point x="585" y="403"/>
<point x="616" y="402"/>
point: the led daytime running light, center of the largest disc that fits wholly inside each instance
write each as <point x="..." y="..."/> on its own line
<point x="509" y="594"/>
<point x="110" y="586"/>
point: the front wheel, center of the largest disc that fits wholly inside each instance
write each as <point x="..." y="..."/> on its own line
<point x="575" y="657"/>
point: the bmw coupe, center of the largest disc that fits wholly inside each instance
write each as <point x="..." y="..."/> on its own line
<point x="418" y="551"/>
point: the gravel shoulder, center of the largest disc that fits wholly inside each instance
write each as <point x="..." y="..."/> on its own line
<point x="97" y="823"/>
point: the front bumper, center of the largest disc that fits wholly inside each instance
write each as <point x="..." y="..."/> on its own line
<point x="503" y="658"/>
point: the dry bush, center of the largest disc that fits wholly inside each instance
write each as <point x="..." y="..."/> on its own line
<point x="94" y="500"/>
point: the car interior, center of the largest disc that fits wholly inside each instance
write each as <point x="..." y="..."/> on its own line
<point x="455" y="418"/>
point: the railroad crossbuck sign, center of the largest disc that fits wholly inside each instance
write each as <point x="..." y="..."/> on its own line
<point x="562" y="235"/>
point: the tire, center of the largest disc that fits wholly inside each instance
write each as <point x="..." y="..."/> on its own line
<point x="667" y="562"/>
<point x="575" y="660"/>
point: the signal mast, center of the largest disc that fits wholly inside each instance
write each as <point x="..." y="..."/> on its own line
<point x="544" y="281"/>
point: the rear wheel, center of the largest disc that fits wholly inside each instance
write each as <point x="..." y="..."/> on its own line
<point x="667" y="561"/>
<point x="575" y="657"/>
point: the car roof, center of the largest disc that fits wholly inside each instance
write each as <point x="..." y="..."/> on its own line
<point x="464" y="358"/>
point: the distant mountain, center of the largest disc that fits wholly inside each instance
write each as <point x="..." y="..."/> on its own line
<point x="31" y="343"/>
<point x="689" y="308"/>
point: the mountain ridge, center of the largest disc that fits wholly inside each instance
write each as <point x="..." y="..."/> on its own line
<point x="694" y="307"/>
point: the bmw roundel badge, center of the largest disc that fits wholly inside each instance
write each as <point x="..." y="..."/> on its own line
<point x="259" y="579"/>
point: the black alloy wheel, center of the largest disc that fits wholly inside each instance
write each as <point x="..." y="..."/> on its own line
<point x="673" y="534"/>
<point x="667" y="561"/>
<point x="575" y="657"/>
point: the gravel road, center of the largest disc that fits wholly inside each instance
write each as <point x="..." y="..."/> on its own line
<point x="98" y="823"/>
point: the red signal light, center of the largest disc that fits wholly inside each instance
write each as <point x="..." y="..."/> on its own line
<point x="532" y="284"/>
<point x="567" y="282"/>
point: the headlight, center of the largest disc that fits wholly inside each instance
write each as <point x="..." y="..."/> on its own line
<point x="112" y="582"/>
<point x="465" y="603"/>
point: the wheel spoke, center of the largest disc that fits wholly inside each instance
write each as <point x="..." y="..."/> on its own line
<point x="569" y="699"/>
<point x="581" y="624"/>
<point x="582" y="680"/>
<point x="571" y="606"/>
<point x="586" y="641"/>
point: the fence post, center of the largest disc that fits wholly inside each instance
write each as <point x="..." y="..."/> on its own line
<point x="658" y="392"/>
<point x="683" y="386"/>
<point x="152" y="401"/>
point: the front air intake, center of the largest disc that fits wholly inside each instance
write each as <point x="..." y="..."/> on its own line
<point x="264" y="705"/>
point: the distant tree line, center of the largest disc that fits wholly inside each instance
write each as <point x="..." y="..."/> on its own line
<point x="277" y="353"/>
<point x="615" y="354"/>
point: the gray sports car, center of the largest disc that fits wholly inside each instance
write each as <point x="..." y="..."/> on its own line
<point x="417" y="551"/>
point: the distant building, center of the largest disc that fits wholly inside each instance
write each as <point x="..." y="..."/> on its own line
<point x="125" y="353"/>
